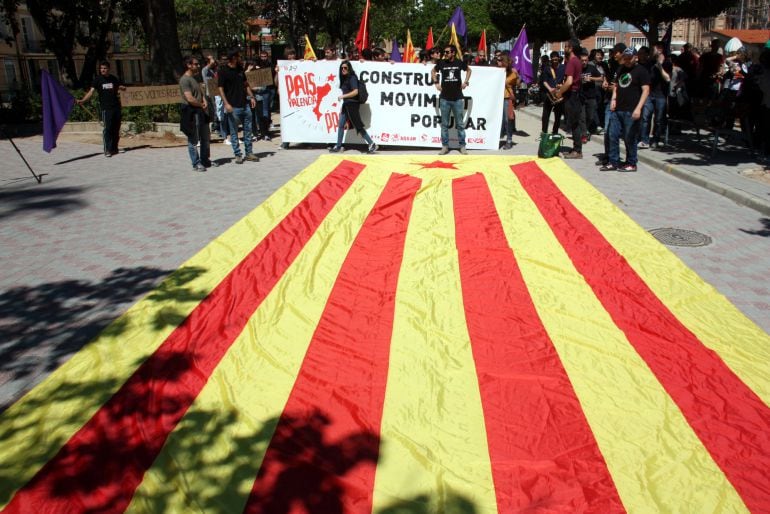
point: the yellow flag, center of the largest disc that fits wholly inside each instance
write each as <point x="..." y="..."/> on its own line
<point x="454" y="41"/>
<point x="309" y="53"/>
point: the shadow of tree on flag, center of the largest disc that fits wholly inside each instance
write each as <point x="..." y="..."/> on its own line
<point x="42" y="326"/>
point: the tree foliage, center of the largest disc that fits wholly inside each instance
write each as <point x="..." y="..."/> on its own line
<point x="545" y="19"/>
<point x="207" y="24"/>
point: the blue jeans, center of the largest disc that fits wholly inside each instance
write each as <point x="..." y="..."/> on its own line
<point x="655" y="105"/>
<point x="455" y="107"/>
<point x="607" y="125"/>
<point x="623" y="125"/>
<point x="507" y="127"/>
<point x="240" y="115"/>
<point x="202" y="135"/>
<point x="267" y="101"/>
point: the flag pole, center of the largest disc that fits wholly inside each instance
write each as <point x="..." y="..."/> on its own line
<point x="39" y="178"/>
<point x="439" y="37"/>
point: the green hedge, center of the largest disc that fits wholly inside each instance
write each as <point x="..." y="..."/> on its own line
<point x="27" y="106"/>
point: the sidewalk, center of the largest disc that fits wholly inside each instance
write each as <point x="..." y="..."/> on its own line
<point x="689" y="160"/>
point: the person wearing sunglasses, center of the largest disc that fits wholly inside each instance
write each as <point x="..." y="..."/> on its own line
<point x="451" y="99"/>
<point x="350" y="108"/>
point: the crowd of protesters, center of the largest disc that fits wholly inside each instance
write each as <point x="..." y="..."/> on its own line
<point x="630" y="95"/>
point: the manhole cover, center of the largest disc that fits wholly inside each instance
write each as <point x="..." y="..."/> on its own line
<point x="680" y="237"/>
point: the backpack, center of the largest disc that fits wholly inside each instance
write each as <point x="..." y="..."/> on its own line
<point x="363" y="94"/>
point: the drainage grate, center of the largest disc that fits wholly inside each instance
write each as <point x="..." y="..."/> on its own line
<point x="680" y="237"/>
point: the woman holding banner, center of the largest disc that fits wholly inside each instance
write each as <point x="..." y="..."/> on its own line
<point x="350" y="108"/>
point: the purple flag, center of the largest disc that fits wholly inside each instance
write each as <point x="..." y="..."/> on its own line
<point x="395" y="55"/>
<point x="458" y="18"/>
<point x="57" y="104"/>
<point x="522" y="60"/>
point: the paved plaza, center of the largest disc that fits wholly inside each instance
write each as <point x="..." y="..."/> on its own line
<point x="98" y="234"/>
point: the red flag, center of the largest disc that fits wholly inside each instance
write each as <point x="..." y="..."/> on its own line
<point x="362" y="39"/>
<point x="483" y="42"/>
<point x="429" y="41"/>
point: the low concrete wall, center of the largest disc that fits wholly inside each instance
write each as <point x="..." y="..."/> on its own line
<point x="95" y="126"/>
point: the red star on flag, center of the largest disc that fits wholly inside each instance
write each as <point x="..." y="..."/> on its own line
<point x="437" y="164"/>
<point x="330" y="78"/>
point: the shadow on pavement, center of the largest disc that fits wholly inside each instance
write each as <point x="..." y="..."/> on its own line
<point x="78" y="158"/>
<point x="54" y="200"/>
<point x="42" y="326"/>
<point x="764" y="232"/>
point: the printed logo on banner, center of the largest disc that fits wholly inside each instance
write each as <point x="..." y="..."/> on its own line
<point x="311" y="97"/>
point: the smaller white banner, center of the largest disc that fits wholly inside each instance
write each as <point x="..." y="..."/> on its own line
<point x="403" y="106"/>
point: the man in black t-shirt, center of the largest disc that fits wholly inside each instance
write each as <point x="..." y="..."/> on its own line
<point x="451" y="99"/>
<point x="235" y="93"/>
<point x="660" y="69"/>
<point x="591" y="75"/>
<point x="628" y="97"/>
<point x="107" y="87"/>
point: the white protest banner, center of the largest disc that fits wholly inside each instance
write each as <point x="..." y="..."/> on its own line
<point x="403" y="106"/>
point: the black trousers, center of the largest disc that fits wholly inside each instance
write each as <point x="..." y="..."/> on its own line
<point x="557" y="110"/>
<point x="573" y="106"/>
<point x="111" y="134"/>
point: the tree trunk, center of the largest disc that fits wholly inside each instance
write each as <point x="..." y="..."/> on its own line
<point x="570" y="20"/>
<point x="97" y="51"/>
<point x="163" y="41"/>
<point x="59" y="31"/>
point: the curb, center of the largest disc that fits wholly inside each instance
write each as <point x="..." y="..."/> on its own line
<point x="736" y="195"/>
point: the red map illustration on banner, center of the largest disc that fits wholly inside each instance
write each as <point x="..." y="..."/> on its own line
<point x="321" y="93"/>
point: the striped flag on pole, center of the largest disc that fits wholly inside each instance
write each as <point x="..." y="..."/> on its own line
<point x="309" y="54"/>
<point x="482" y="334"/>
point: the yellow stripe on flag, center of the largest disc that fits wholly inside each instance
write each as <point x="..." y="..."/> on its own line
<point x="33" y="429"/>
<point x="227" y="430"/>
<point x="656" y="460"/>
<point x="716" y="322"/>
<point x="433" y="450"/>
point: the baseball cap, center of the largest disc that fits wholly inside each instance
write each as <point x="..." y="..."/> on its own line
<point x="629" y="51"/>
<point x="619" y="47"/>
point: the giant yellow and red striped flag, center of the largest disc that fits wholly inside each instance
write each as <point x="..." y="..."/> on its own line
<point x="473" y="334"/>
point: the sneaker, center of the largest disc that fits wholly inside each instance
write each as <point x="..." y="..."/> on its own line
<point x="444" y="150"/>
<point x="211" y="164"/>
<point x="226" y="141"/>
<point x="608" y="167"/>
<point x="238" y="159"/>
<point x="659" y="145"/>
<point x="335" y="149"/>
<point x="627" y="167"/>
<point x="199" y="167"/>
<point x="251" y="157"/>
<point x="573" y="155"/>
<point x="507" y="146"/>
<point x="372" y="148"/>
<point x="266" y="138"/>
<point x="599" y="131"/>
<point x="642" y="145"/>
<point x="108" y="154"/>
<point x="463" y="150"/>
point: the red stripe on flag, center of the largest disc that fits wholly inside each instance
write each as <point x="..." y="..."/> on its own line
<point x="101" y="466"/>
<point x="542" y="450"/>
<point x="325" y="448"/>
<point x="323" y="455"/>
<point x="729" y="418"/>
